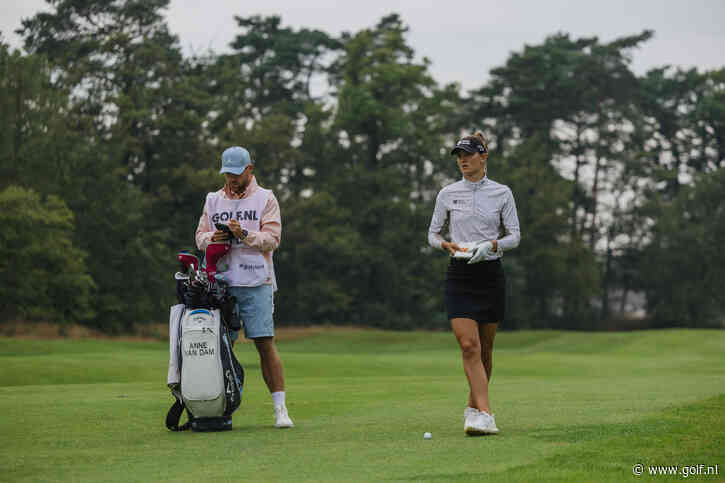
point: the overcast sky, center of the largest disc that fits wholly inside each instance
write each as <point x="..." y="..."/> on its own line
<point x="463" y="39"/>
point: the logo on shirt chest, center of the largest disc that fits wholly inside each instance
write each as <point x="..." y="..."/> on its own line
<point x="241" y="215"/>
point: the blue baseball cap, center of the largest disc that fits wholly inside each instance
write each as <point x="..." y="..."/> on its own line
<point x="235" y="160"/>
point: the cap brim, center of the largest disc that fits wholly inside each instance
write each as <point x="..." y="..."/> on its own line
<point x="236" y="171"/>
<point x="468" y="149"/>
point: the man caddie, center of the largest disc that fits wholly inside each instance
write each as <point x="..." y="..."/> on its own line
<point x="253" y="217"/>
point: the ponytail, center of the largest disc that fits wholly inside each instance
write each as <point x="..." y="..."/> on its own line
<point x="479" y="135"/>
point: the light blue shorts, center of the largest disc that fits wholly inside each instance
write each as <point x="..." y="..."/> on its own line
<point x="255" y="307"/>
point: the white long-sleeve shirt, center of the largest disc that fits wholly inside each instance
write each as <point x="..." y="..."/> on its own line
<point x="478" y="211"/>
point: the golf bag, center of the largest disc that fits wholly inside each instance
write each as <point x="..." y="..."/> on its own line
<point x="204" y="375"/>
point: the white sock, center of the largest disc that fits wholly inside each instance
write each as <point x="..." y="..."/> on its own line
<point x="278" y="398"/>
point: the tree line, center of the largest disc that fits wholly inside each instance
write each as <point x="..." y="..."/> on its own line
<point x="111" y="137"/>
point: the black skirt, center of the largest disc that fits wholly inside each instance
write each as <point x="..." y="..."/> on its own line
<point x="476" y="291"/>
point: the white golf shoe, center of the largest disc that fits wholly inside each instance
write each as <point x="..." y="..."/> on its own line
<point x="282" y="419"/>
<point x="480" y="423"/>
<point x="467" y="413"/>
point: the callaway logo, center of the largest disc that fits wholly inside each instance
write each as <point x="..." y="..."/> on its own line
<point x="464" y="141"/>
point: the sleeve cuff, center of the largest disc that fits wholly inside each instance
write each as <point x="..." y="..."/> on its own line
<point x="205" y="239"/>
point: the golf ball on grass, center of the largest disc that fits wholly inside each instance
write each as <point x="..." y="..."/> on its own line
<point x="427" y="435"/>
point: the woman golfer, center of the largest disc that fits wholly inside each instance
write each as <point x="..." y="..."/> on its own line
<point x="483" y="224"/>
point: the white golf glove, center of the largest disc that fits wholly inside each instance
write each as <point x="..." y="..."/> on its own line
<point x="481" y="251"/>
<point x="466" y="250"/>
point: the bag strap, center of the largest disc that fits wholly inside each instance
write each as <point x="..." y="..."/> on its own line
<point x="174" y="415"/>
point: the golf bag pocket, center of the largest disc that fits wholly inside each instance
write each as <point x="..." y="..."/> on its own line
<point x="202" y="382"/>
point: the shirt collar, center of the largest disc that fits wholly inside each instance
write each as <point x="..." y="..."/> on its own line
<point x="475" y="184"/>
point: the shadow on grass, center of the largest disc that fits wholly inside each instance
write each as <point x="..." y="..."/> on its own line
<point x="236" y="429"/>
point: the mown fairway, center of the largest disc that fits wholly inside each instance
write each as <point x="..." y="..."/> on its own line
<point x="570" y="406"/>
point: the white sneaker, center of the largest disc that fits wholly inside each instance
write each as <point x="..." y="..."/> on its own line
<point x="492" y="429"/>
<point x="282" y="419"/>
<point x="481" y="423"/>
<point x="469" y="416"/>
<point x="469" y="411"/>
